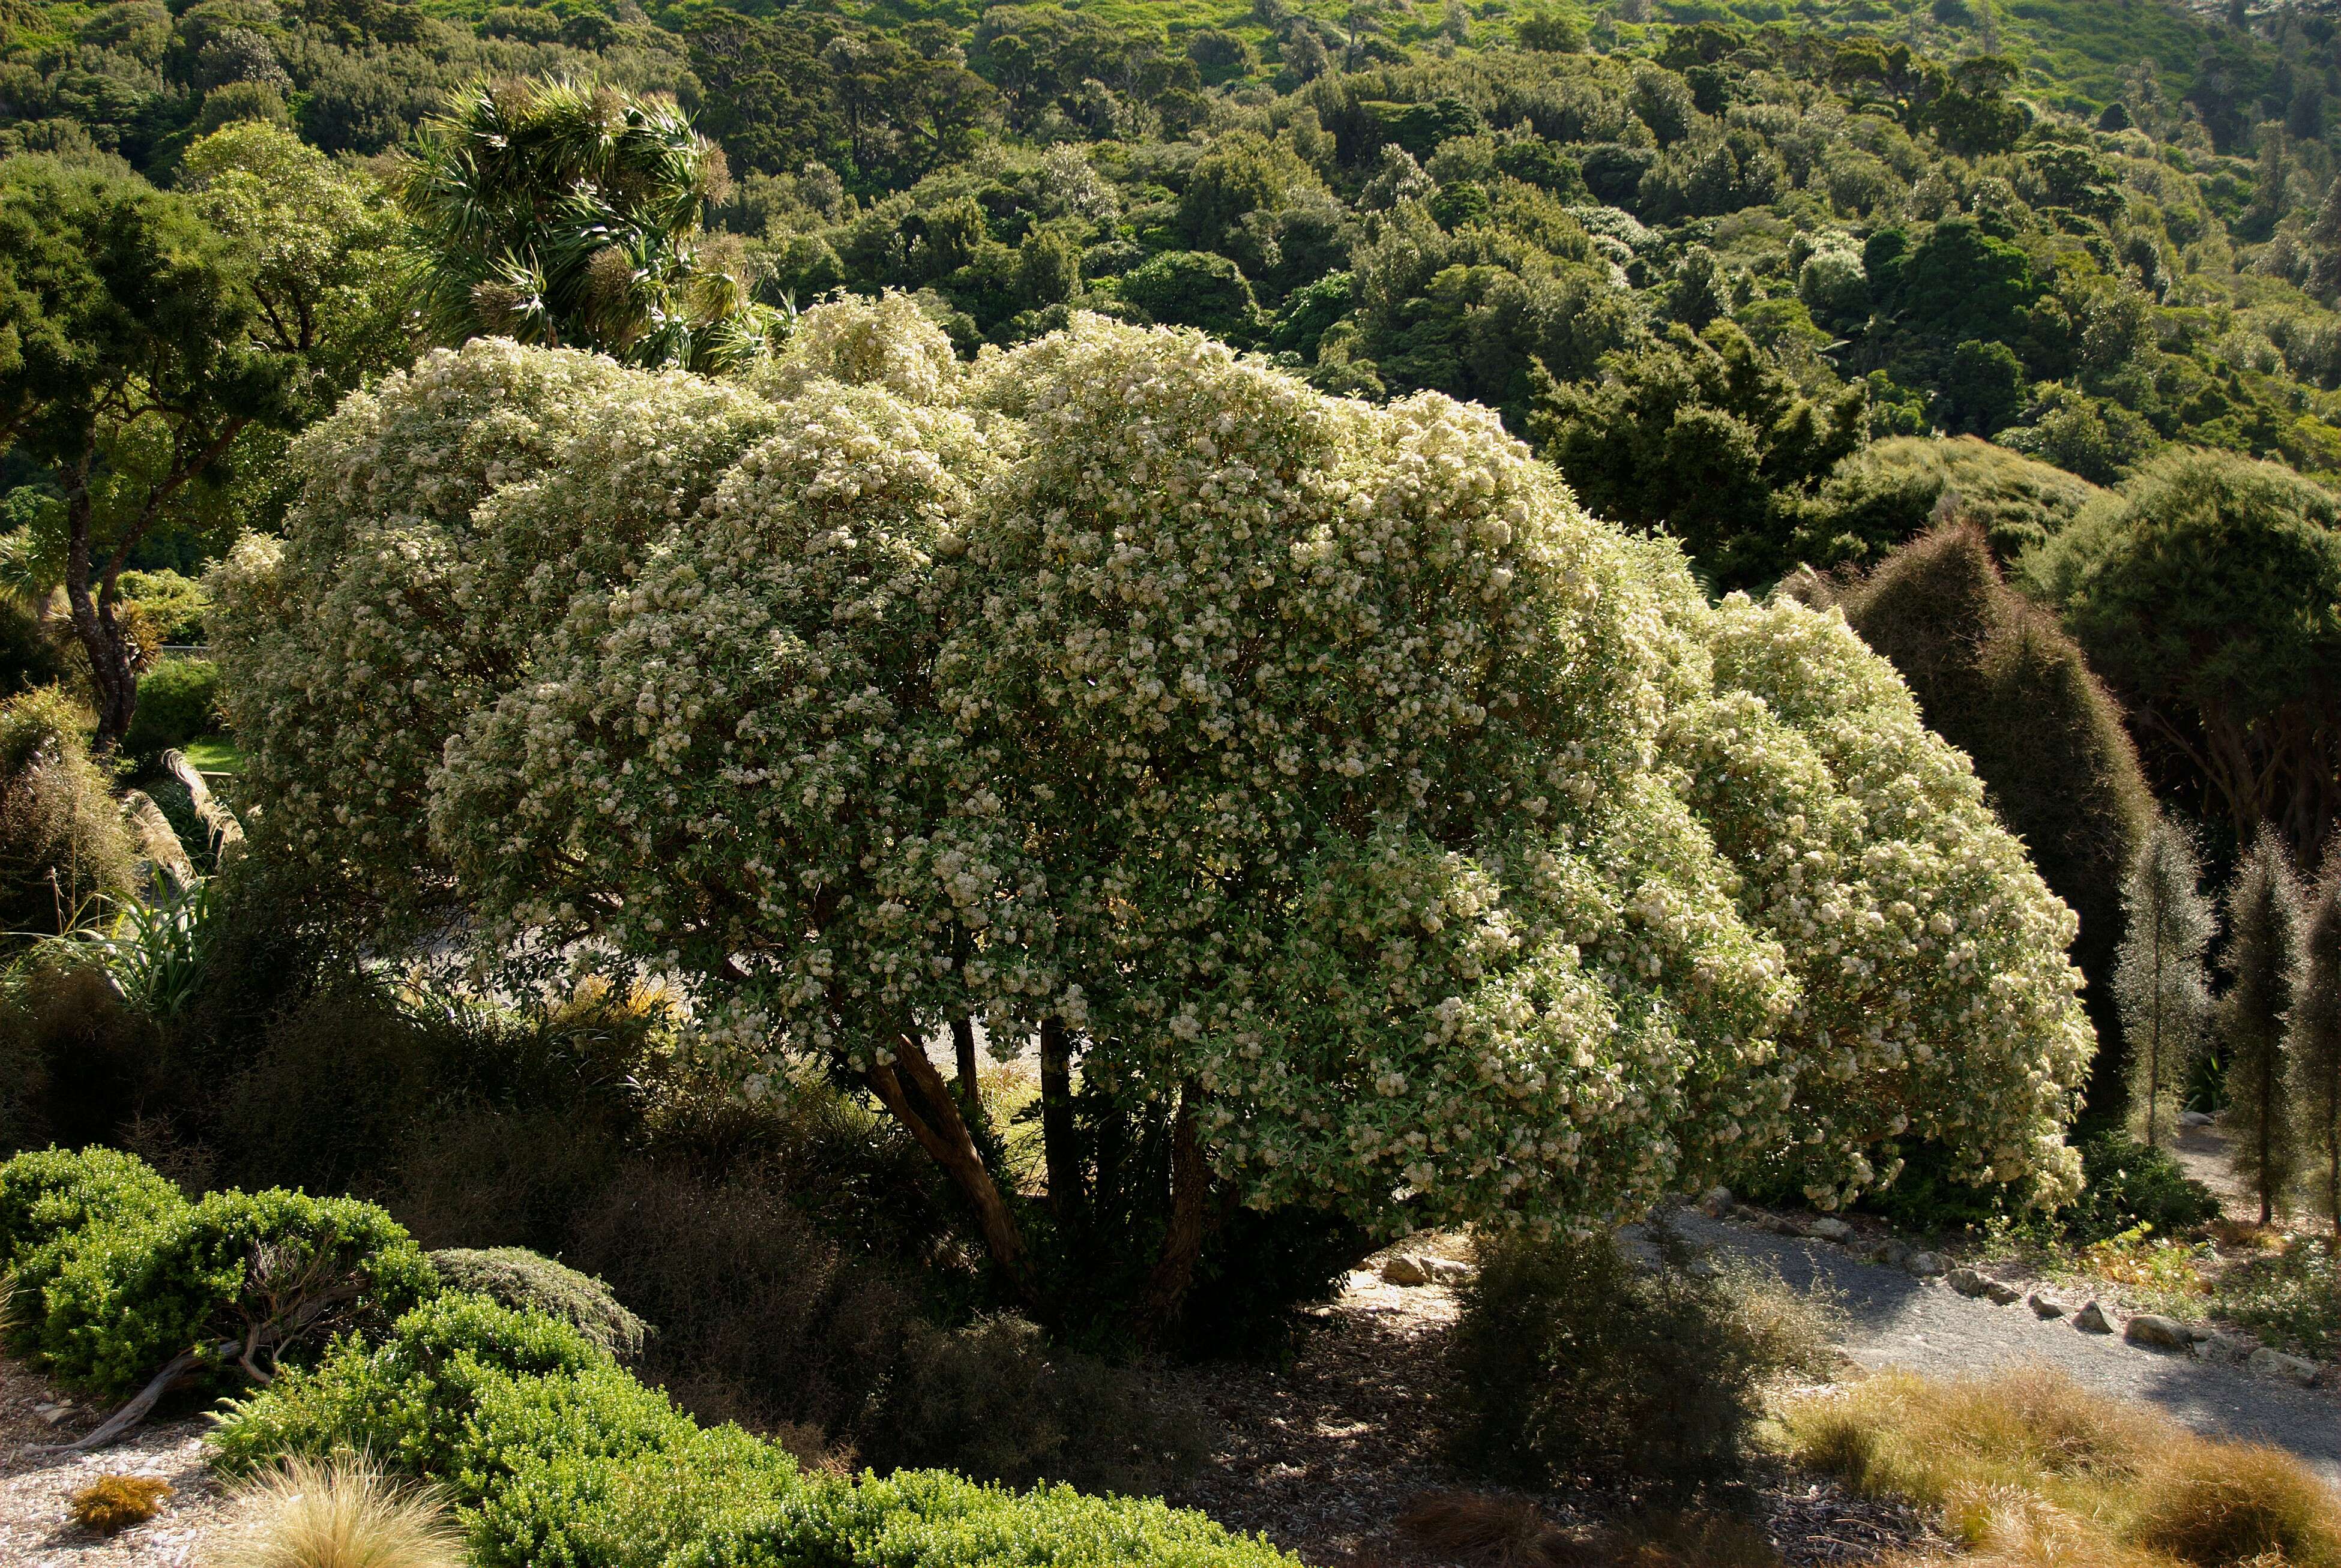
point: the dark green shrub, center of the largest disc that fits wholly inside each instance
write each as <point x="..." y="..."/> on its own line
<point x="339" y="1083"/>
<point x="175" y="705"/>
<point x="480" y="1176"/>
<point x="516" y="1277"/>
<point x="2126" y="1184"/>
<point x="1575" y="1363"/>
<point x="994" y="1402"/>
<point x="97" y="1059"/>
<point x="1995" y="676"/>
<point x="128" y="1297"/>
<point x="762" y="1316"/>
<point x="27" y="658"/>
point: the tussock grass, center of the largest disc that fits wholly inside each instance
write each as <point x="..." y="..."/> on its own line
<point x="335" y="1514"/>
<point x="2032" y="1470"/>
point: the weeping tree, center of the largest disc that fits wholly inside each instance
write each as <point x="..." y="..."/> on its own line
<point x="2159" y="978"/>
<point x="566" y="213"/>
<point x="1361" y="831"/>
<point x="2263" y="961"/>
<point x="2316" y="1041"/>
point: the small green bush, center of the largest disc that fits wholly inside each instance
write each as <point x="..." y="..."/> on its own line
<point x="517" y="1277"/>
<point x="2126" y="1184"/>
<point x="1576" y="1363"/>
<point x="176" y="702"/>
<point x="130" y="1296"/>
<point x="48" y="1193"/>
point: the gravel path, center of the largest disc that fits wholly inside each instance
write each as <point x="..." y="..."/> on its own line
<point x="36" y="1489"/>
<point x="1926" y="1326"/>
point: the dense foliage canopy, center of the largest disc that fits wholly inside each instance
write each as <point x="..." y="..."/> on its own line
<point x="1323" y="768"/>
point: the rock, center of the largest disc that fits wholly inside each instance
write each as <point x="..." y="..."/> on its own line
<point x="2277" y="1363"/>
<point x="1715" y="1202"/>
<point x="1966" y="1281"/>
<point x="1999" y="1293"/>
<point x="1405" y="1268"/>
<point x="51" y="1414"/>
<point x="1447" y="1271"/>
<point x="2045" y="1305"/>
<point x="1830" y="1230"/>
<point x="2091" y="1319"/>
<point x="2157" y="1332"/>
<point x="2222" y="1350"/>
<point x="2194" y="1119"/>
<point x="1925" y="1265"/>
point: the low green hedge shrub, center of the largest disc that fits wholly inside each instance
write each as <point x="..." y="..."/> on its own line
<point x="516" y="1277"/>
<point x="51" y="1201"/>
<point x="558" y="1458"/>
<point x="46" y="1193"/>
<point x="132" y="1293"/>
<point x="932" y="1519"/>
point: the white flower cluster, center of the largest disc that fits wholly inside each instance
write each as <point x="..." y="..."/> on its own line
<point x="1321" y="761"/>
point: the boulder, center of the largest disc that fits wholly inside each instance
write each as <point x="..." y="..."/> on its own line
<point x="2277" y="1363"/>
<point x="1982" y="1286"/>
<point x="2157" y="1332"/>
<point x="2046" y="1305"/>
<point x="1405" y="1268"/>
<point x="1715" y="1202"/>
<point x="1830" y="1229"/>
<point x="1925" y="1265"/>
<point x="1447" y="1271"/>
<point x="2194" y="1119"/>
<point x="2222" y="1350"/>
<point x="2091" y="1319"/>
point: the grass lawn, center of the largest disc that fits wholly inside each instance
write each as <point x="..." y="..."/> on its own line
<point x="214" y="754"/>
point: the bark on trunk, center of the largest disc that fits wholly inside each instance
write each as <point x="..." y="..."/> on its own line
<point x="943" y="1132"/>
<point x="1057" y="1123"/>
<point x="92" y="613"/>
<point x="970" y="1095"/>
<point x="1182" y="1243"/>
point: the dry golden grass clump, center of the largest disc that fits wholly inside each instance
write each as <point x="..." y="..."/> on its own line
<point x="336" y="1513"/>
<point x="112" y="1503"/>
<point x="2032" y="1470"/>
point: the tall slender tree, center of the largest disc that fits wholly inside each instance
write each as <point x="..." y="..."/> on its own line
<point x="2263" y="965"/>
<point x="2159" y="980"/>
<point x="2317" y="1040"/>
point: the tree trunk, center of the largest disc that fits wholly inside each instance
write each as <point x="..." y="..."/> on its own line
<point x="1182" y="1243"/>
<point x="970" y="1094"/>
<point x="99" y="635"/>
<point x="943" y="1134"/>
<point x="1057" y="1123"/>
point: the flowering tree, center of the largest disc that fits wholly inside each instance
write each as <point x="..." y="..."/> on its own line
<point x="1316" y="781"/>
